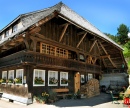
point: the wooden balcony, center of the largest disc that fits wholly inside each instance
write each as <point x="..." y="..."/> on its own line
<point x="38" y="59"/>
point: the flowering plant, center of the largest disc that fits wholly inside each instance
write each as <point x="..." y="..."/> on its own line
<point x="52" y="80"/>
<point x="3" y="80"/>
<point x="38" y="80"/>
<point x="10" y="80"/>
<point x="42" y="98"/>
<point x="18" y="80"/>
<point x="64" y="81"/>
<point x="45" y="96"/>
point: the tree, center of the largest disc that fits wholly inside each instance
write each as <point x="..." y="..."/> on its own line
<point x="114" y="38"/>
<point x="122" y="33"/>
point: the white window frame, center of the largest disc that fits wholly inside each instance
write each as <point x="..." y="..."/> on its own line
<point x="10" y="75"/>
<point x="63" y="75"/>
<point x="4" y="75"/>
<point x="52" y="74"/>
<point x="21" y="72"/>
<point x="90" y="76"/>
<point x="82" y="78"/>
<point x="38" y="75"/>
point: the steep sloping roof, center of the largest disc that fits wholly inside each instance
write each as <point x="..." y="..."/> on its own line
<point x="31" y="18"/>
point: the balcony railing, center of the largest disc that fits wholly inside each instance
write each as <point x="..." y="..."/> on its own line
<point x="47" y="61"/>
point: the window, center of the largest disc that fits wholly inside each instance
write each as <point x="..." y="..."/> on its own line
<point x="4" y="76"/>
<point x="11" y="76"/>
<point x="81" y="57"/>
<point x="19" y="76"/>
<point x="38" y="77"/>
<point x="7" y="33"/>
<point x="82" y="78"/>
<point x="90" y="76"/>
<point x="52" y="50"/>
<point x="15" y="28"/>
<point x="52" y="78"/>
<point x="64" y="79"/>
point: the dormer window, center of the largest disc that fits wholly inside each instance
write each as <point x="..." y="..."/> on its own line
<point x="15" y="28"/>
<point x="7" y="33"/>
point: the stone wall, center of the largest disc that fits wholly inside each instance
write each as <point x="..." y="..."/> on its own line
<point x="107" y="79"/>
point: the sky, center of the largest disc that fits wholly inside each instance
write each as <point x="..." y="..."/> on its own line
<point x="106" y="15"/>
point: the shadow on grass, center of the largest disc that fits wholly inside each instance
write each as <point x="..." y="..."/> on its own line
<point x="102" y="98"/>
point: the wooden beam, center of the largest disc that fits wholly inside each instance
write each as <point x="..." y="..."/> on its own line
<point x="98" y="48"/>
<point x="46" y="19"/>
<point x="63" y="32"/>
<point x="105" y="56"/>
<point x="103" y="48"/>
<point x="40" y="35"/>
<point x="35" y="30"/>
<point x="4" y="47"/>
<point x="81" y="40"/>
<point x="92" y="46"/>
<point x="80" y="33"/>
<point x="62" y="25"/>
<point x="112" y="62"/>
<point x="104" y="62"/>
<point x="34" y="43"/>
<point x="26" y="43"/>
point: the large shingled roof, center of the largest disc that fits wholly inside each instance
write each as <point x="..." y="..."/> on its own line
<point x="31" y="18"/>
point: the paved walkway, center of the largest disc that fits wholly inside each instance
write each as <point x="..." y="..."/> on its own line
<point x="101" y="101"/>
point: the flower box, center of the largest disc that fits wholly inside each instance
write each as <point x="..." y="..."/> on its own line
<point x="38" y="80"/>
<point x="53" y="80"/>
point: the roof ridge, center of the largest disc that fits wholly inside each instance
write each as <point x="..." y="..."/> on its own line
<point x="41" y="10"/>
<point x="29" y="13"/>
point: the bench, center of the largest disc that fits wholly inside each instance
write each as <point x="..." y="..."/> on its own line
<point x="62" y="92"/>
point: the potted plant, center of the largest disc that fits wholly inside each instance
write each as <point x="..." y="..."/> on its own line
<point x="38" y="80"/>
<point x="64" y="81"/>
<point x="18" y="80"/>
<point x="3" y="80"/>
<point x="42" y="98"/>
<point x="52" y="80"/>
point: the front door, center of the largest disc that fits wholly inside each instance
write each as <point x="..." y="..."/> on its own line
<point x="77" y="81"/>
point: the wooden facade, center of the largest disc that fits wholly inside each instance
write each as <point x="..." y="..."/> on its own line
<point x="52" y="42"/>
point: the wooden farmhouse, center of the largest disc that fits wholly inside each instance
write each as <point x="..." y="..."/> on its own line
<point x="53" y="48"/>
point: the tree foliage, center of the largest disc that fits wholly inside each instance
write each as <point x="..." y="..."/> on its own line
<point x="114" y="38"/>
<point x="122" y="34"/>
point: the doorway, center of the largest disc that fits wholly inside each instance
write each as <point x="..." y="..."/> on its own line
<point x="76" y="82"/>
